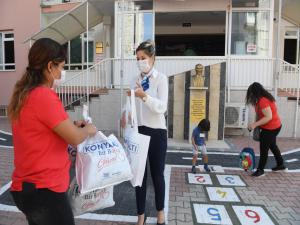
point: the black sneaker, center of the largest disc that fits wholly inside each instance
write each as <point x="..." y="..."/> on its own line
<point x="277" y="168"/>
<point x="193" y="169"/>
<point x="206" y="169"/>
<point x="258" y="173"/>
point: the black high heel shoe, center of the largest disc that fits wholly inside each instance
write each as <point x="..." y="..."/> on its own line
<point x="161" y="223"/>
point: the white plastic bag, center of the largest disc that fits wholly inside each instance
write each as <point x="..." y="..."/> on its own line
<point x="91" y="201"/>
<point x="101" y="162"/>
<point x="136" y="144"/>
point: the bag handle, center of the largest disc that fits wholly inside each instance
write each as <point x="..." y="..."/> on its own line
<point x="133" y="111"/>
<point x="127" y="109"/>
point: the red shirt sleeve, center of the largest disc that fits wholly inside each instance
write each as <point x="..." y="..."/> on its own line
<point x="49" y="108"/>
<point x="264" y="103"/>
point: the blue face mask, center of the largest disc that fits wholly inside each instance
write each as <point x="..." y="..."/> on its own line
<point x="145" y="83"/>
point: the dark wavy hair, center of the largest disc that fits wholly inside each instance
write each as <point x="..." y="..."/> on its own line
<point x="204" y="125"/>
<point x="255" y="92"/>
<point x="40" y="54"/>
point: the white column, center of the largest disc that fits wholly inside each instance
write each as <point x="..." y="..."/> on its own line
<point x="87" y="55"/>
<point x="277" y="49"/>
<point x="122" y="62"/>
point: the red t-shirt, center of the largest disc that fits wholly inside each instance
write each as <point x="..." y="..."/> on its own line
<point x="275" y="122"/>
<point x="40" y="155"/>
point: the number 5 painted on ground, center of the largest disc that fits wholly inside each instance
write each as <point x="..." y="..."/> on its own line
<point x="215" y="213"/>
<point x="253" y="215"/>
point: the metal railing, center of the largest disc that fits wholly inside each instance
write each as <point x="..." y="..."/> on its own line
<point x="55" y="2"/>
<point x="106" y="74"/>
<point x="288" y="80"/>
<point x="90" y="81"/>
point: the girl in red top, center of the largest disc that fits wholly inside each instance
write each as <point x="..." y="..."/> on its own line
<point x="269" y="123"/>
<point x="41" y="131"/>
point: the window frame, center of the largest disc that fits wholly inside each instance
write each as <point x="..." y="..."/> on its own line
<point x="268" y="10"/>
<point x="3" y="40"/>
<point x="82" y="65"/>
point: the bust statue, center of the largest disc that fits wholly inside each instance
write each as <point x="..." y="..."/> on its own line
<point x="199" y="77"/>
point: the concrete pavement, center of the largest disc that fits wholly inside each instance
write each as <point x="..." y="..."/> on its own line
<point x="226" y="196"/>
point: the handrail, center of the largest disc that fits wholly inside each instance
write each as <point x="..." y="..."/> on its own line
<point x="76" y="88"/>
<point x="106" y="73"/>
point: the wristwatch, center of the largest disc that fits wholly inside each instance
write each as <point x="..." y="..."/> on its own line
<point x="144" y="98"/>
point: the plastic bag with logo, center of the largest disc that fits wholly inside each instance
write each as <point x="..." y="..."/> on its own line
<point x="136" y="144"/>
<point x="91" y="201"/>
<point x="101" y="162"/>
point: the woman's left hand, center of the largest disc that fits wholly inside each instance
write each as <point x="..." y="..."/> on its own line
<point x="251" y="126"/>
<point x="79" y="123"/>
<point x="139" y="92"/>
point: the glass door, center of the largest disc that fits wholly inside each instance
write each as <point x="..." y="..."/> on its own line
<point x="137" y="21"/>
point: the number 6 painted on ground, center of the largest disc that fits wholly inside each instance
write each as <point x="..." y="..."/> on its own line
<point x="215" y="214"/>
<point x="253" y="216"/>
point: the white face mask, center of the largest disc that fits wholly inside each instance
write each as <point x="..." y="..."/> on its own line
<point x="62" y="79"/>
<point x="143" y="65"/>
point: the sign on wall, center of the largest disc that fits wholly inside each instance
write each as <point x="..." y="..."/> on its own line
<point x="197" y="109"/>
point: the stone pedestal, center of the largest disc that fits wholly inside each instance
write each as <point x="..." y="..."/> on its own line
<point x="197" y="107"/>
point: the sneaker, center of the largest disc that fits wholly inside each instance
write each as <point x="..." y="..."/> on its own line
<point x="258" y="173"/>
<point x="193" y="169"/>
<point x="277" y="168"/>
<point x="206" y="169"/>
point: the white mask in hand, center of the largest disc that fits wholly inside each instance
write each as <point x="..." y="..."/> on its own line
<point x="143" y="65"/>
<point x="62" y="79"/>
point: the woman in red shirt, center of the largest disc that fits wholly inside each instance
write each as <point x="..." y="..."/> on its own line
<point x="41" y="132"/>
<point x="269" y="123"/>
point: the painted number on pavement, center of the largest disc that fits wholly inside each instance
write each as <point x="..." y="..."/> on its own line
<point x="222" y="194"/>
<point x="230" y="180"/>
<point x="211" y="214"/>
<point x="252" y="215"/>
<point x="199" y="178"/>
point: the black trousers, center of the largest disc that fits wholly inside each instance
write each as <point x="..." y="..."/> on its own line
<point x="156" y="157"/>
<point x="44" y="207"/>
<point x="268" y="141"/>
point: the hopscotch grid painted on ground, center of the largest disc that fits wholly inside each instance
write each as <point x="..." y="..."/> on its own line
<point x="151" y="220"/>
<point x="224" y="212"/>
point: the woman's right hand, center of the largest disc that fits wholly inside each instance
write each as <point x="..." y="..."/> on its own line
<point x="91" y="129"/>
<point x="123" y="120"/>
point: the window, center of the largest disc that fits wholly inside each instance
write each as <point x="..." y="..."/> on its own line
<point x="251" y="3"/>
<point x="76" y="49"/>
<point x="137" y="18"/>
<point x="7" y="51"/>
<point x="250" y="33"/>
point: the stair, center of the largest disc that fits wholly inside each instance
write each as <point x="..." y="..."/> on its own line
<point x="104" y="109"/>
